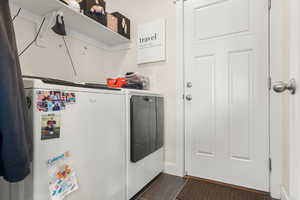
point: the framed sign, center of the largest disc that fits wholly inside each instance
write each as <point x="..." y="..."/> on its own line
<point x="151" y="42"/>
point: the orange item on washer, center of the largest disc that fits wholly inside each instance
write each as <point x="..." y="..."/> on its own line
<point x="116" y="83"/>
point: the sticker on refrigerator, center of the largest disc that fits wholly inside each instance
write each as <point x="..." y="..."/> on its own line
<point x="50" y="127"/>
<point x="69" y="98"/>
<point x="63" y="180"/>
<point x="48" y="101"/>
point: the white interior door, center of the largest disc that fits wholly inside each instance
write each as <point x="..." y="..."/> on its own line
<point x="227" y="92"/>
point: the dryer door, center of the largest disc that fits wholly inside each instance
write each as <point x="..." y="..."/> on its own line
<point x="143" y="127"/>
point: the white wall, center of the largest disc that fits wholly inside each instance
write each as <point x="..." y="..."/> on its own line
<point x="162" y="74"/>
<point x="95" y="65"/>
<point x="52" y="61"/>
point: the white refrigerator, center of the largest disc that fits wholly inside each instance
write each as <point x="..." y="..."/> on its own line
<point x="89" y="126"/>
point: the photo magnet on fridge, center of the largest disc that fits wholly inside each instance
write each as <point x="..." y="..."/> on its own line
<point x="48" y="101"/>
<point x="69" y="98"/>
<point x="50" y="127"/>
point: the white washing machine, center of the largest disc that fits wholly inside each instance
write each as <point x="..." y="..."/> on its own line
<point x="145" y="136"/>
<point x="90" y="125"/>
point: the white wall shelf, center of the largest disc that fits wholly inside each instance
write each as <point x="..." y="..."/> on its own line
<point x="74" y="21"/>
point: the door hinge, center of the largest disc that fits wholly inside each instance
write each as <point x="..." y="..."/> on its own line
<point x="270" y="4"/>
<point x="270" y="164"/>
<point x="270" y="83"/>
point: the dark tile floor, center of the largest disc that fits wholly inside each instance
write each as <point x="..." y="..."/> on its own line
<point x="164" y="187"/>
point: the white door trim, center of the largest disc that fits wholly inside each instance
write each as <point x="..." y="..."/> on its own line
<point x="294" y="47"/>
<point x="178" y="168"/>
<point x="180" y="129"/>
<point x="276" y="100"/>
<point x="275" y="176"/>
<point x="284" y="195"/>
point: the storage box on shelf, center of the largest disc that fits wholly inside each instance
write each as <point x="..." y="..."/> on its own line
<point x="95" y="9"/>
<point x="112" y="22"/>
<point x="123" y="24"/>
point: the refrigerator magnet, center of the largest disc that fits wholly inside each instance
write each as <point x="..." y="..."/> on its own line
<point x="62" y="177"/>
<point x="70" y="98"/>
<point x="51" y="101"/>
<point x="50" y="127"/>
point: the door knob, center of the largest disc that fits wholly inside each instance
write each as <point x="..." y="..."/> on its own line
<point x="281" y="86"/>
<point x="189" y="97"/>
<point x="189" y="85"/>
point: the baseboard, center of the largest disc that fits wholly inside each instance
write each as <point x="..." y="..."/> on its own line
<point x="284" y="195"/>
<point x="171" y="168"/>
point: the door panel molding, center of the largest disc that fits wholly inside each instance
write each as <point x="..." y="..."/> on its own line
<point x="240" y="86"/>
<point x="206" y="66"/>
<point x="220" y="12"/>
